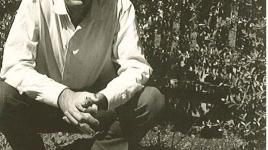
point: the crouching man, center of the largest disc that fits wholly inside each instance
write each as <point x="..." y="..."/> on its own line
<point x="76" y="65"/>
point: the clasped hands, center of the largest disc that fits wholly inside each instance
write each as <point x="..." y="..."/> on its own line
<point x="79" y="109"/>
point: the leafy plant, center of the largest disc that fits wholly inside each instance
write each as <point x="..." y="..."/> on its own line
<point x="209" y="60"/>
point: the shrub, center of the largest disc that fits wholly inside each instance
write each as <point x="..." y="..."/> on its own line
<point x="209" y="60"/>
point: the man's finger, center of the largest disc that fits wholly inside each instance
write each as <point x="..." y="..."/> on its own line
<point x="76" y="115"/>
<point x="88" y="101"/>
<point x="140" y="110"/>
<point x="66" y="119"/>
<point x="71" y="118"/>
<point x="81" y="108"/>
<point x="92" y="109"/>
<point x="142" y="118"/>
<point x="86" y="128"/>
<point x="89" y="119"/>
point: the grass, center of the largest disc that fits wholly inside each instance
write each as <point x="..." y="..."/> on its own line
<point x="166" y="140"/>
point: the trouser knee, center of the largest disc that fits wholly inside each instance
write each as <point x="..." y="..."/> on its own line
<point x="153" y="100"/>
<point x="7" y="94"/>
<point x="149" y="106"/>
<point x="7" y="91"/>
<point x="9" y="102"/>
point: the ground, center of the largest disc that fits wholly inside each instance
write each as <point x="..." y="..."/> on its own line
<point x="54" y="141"/>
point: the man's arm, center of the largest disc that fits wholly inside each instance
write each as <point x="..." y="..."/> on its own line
<point x="20" y="55"/>
<point x="134" y="70"/>
<point x="19" y="63"/>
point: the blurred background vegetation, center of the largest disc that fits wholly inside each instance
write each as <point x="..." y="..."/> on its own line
<point x="209" y="60"/>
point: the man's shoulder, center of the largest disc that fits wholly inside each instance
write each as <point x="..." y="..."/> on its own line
<point x="37" y="1"/>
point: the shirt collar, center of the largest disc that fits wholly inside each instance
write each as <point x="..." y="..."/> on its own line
<point x="59" y="7"/>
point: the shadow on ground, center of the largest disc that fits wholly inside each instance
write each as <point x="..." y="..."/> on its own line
<point x="79" y="144"/>
<point x="85" y="144"/>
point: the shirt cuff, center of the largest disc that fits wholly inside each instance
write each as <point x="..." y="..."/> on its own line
<point x="110" y="98"/>
<point x="118" y="97"/>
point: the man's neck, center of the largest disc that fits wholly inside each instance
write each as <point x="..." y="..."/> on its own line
<point x="78" y="13"/>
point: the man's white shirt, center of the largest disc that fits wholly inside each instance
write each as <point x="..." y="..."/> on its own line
<point x="21" y="49"/>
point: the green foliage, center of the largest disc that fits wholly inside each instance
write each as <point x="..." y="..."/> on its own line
<point x="208" y="58"/>
<point x="7" y="12"/>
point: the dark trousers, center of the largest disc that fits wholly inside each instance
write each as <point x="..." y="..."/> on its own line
<point x="22" y="118"/>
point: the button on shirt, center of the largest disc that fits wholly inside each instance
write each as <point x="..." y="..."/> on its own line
<point x="45" y="53"/>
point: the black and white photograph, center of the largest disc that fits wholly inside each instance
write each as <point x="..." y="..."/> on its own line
<point x="133" y="74"/>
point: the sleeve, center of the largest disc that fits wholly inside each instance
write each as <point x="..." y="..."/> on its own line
<point x="20" y="55"/>
<point x="134" y="70"/>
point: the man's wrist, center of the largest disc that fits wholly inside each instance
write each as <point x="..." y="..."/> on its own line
<point x="102" y="101"/>
<point x="62" y="96"/>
